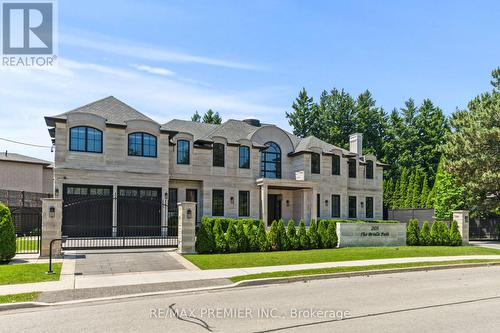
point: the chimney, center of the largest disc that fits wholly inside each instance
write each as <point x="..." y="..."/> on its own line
<point x="356" y="143"/>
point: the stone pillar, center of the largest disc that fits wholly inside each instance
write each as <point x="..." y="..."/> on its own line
<point x="51" y="225"/>
<point x="186" y="229"/>
<point x="462" y="218"/>
<point x="314" y="206"/>
<point x="263" y="200"/>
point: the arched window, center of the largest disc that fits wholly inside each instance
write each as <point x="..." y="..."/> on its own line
<point x="141" y="144"/>
<point x="369" y="169"/>
<point x="270" y="161"/>
<point x="315" y="163"/>
<point x="182" y="152"/>
<point x="84" y="138"/>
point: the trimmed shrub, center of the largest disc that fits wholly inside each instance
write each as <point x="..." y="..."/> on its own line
<point x="291" y="233"/>
<point x="445" y="233"/>
<point x="424" y="238"/>
<point x="283" y="241"/>
<point x="412" y="233"/>
<point x="440" y="234"/>
<point x="262" y="237"/>
<point x="242" y="237"/>
<point x="205" y="242"/>
<point x="273" y="236"/>
<point x="323" y="234"/>
<point x="219" y="237"/>
<point x="7" y="235"/>
<point x="253" y="242"/>
<point x="455" y="237"/>
<point x="302" y="236"/>
<point x="232" y="238"/>
<point x="331" y="232"/>
<point x="313" y="236"/>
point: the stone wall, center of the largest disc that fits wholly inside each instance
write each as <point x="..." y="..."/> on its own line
<point x="371" y="234"/>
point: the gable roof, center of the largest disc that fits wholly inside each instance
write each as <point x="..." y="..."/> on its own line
<point x="13" y="157"/>
<point x="309" y="142"/>
<point x="115" y="111"/>
<point x="197" y="129"/>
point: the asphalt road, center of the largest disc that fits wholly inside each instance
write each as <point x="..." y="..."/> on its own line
<point x="458" y="300"/>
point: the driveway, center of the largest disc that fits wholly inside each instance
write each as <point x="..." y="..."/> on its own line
<point x="490" y="244"/>
<point x="118" y="261"/>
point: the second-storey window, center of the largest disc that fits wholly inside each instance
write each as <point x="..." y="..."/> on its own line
<point x="217" y="202"/>
<point x="336" y="165"/>
<point x="369" y="169"/>
<point x="85" y="139"/>
<point x="182" y="152"/>
<point x="352" y="168"/>
<point x="315" y="163"/>
<point x="218" y="158"/>
<point x="244" y="157"/>
<point x="141" y="144"/>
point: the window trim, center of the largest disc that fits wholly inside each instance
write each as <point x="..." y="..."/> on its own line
<point x="247" y="204"/>
<point x="188" y="152"/>
<point x="86" y="140"/>
<point x="247" y="148"/>
<point x="142" y="145"/>
<point x="340" y="206"/>
<point x="336" y="163"/>
<point x="369" y="166"/>
<point x="220" y="163"/>
<point x="213" y="202"/>
<point x="355" y="163"/>
<point x="315" y="169"/>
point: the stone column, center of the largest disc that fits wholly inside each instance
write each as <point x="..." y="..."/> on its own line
<point x="462" y="218"/>
<point x="51" y="225"/>
<point x="314" y="205"/>
<point x="263" y="200"/>
<point x="186" y="229"/>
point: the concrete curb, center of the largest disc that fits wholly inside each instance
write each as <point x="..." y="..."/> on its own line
<point x="250" y="283"/>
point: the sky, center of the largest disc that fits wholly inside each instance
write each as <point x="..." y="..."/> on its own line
<point x="245" y="59"/>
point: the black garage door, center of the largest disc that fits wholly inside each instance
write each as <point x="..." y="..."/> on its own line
<point x="139" y="211"/>
<point x="87" y="211"/>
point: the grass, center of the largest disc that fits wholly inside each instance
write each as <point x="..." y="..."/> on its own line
<point x="28" y="273"/>
<point x="346" y="269"/>
<point x="15" y="298"/>
<point x="25" y="244"/>
<point x="256" y="259"/>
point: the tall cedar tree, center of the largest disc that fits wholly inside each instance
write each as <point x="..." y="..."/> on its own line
<point x="304" y="116"/>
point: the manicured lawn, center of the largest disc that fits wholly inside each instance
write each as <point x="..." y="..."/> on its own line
<point x="15" y="298"/>
<point x="255" y="259"/>
<point x="26" y="244"/>
<point x="27" y="273"/>
<point x="352" y="269"/>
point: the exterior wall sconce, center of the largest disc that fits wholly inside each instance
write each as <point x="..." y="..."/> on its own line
<point x="189" y="214"/>
<point x="326" y="202"/>
<point x="362" y="204"/>
<point x="232" y="200"/>
<point x="57" y="192"/>
<point x="287" y="203"/>
<point x="52" y="212"/>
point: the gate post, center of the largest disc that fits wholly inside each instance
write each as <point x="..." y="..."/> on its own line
<point x="52" y="210"/>
<point x="186" y="227"/>
<point x="462" y="218"/>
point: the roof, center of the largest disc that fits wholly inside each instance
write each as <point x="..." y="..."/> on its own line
<point x="13" y="157"/>
<point x="198" y="130"/>
<point x="309" y="142"/>
<point x="115" y="111"/>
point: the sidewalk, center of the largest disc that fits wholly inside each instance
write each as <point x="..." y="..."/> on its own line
<point x="69" y="281"/>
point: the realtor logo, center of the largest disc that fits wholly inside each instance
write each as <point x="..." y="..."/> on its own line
<point x="28" y="29"/>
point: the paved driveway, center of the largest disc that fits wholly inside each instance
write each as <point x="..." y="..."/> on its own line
<point x="91" y="262"/>
<point x="490" y="244"/>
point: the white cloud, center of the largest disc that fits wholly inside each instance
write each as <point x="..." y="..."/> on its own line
<point x="153" y="70"/>
<point x="28" y="95"/>
<point x="126" y="48"/>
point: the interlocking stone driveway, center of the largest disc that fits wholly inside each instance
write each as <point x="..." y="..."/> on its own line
<point x="91" y="262"/>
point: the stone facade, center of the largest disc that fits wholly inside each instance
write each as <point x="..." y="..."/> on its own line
<point x="294" y="191"/>
<point x="371" y="234"/>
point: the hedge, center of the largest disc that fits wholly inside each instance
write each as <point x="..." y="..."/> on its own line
<point x="226" y="235"/>
<point x="438" y="235"/>
<point x="7" y="235"/>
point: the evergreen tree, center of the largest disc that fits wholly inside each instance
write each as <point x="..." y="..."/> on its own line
<point x="312" y="234"/>
<point x="273" y="237"/>
<point x="232" y="238"/>
<point x="395" y="195"/>
<point x="388" y="192"/>
<point x="323" y="236"/>
<point x="205" y="242"/>
<point x="211" y="117"/>
<point x="424" y="194"/>
<point x="283" y="241"/>
<point x="455" y="237"/>
<point x="253" y="241"/>
<point x="262" y="237"/>
<point x="7" y="235"/>
<point x="412" y="233"/>
<point x="424" y="238"/>
<point x="302" y="236"/>
<point x="196" y="117"/>
<point x="291" y="233"/>
<point x="409" y="190"/>
<point x="332" y="234"/>
<point x="403" y="185"/>
<point x="371" y="121"/>
<point x="243" y="242"/>
<point x="220" y="237"/>
<point x="304" y="116"/>
<point x="415" y="203"/>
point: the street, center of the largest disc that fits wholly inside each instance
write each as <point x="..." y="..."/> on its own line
<point x="457" y="300"/>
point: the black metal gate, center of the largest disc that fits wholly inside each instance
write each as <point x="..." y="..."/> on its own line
<point x="88" y="218"/>
<point x="28" y="225"/>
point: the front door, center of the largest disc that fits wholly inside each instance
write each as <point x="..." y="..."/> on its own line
<point x="273" y="208"/>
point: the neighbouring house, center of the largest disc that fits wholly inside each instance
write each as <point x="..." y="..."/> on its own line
<point x="241" y="168"/>
<point x="24" y="179"/>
